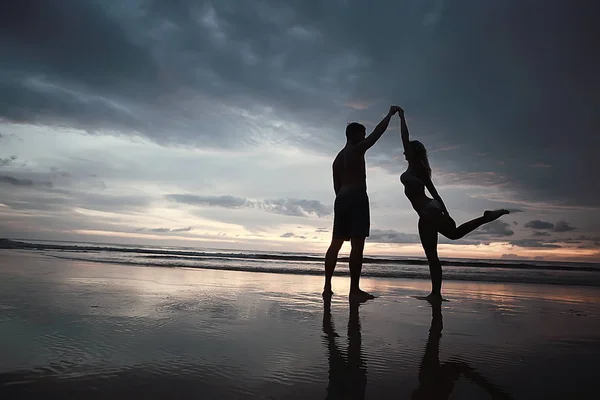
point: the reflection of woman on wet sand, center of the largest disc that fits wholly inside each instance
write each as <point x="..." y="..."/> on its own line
<point x="436" y="381"/>
<point x="347" y="377"/>
<point x="433" y="215"/>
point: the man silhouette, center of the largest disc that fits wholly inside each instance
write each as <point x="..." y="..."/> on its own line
<point x="351" y="219"/>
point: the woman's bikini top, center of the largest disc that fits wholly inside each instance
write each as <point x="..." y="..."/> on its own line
<point x="413" y="186"/>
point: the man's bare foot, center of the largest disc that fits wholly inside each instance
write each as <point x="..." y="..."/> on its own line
<point x="434" y="298"/>
<point x="360" y="296"/>
<point x="495" y="214"/>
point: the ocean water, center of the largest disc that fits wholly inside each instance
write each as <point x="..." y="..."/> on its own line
<point x="540" y="272"/>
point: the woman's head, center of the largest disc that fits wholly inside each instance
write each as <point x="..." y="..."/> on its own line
<point x="417" y="157"/>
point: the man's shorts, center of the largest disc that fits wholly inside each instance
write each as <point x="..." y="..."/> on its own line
<point x="351" y="218"/>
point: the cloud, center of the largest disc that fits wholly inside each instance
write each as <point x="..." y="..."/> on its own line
<point x="392" y="236"/>
<point x="165" y="230"/>
<point x="358" y="104"/>
<point x="6" y="161"/>
<point x="290" y="207"/>
<point x="563" y="226"/>
<point x="294" y="207"/>
<point x="591" y="238"/>
<point x="50" y="78"/>
<point x="210" y="201"/>
<point x="537" y="224"/>
<point x="512" y="256"/>
<point x="188" y="229"/>
<point x="584" y="241"/>
<point x="540" y="234"/>
<point x="24" y="182"/>
<point x="292" y="235"/>
<point x="495" y="228"/>
<point x="193" y="70"/>
<point x="534" y="243"/>
<point x="560" y="226"/>
<point x="466" y="178"/>
<point x="444" y="148"/>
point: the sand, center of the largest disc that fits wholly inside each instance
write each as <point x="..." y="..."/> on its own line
<point x="91" y="330"/>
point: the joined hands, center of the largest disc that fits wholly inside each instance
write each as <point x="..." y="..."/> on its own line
<point x="396" y="109"/>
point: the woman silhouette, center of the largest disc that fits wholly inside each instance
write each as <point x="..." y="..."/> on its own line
<point x="433" y="215"/>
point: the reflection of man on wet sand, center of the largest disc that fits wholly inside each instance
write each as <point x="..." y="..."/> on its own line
<point x="436" y="381"/>
<point x="347" y="376"/>
<point x="351" y="219"/>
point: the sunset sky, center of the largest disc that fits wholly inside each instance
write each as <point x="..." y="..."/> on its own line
<point x="214" y="124"/>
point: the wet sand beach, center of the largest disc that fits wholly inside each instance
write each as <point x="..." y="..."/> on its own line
<point x="90" y="330"/>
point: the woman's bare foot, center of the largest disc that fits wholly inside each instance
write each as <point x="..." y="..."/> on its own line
<point x="495" y="214"/>
<point x="434" y="298"/>
<point x="360" y="296"/>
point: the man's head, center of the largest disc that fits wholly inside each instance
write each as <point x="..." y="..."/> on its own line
<point x="355" y="132"/>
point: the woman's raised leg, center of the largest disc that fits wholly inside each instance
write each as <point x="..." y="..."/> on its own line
<point x="449" y="229"/>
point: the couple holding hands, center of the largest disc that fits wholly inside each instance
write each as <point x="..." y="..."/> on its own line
<point x="351" y="207"/>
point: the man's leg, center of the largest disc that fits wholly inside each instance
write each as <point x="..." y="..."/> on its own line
<point x="356" y="260"/>
<point x="330" y="262"/>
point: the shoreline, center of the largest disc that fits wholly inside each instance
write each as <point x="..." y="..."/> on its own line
<point x="10" y="244"/>
<point x="341" y="271"/>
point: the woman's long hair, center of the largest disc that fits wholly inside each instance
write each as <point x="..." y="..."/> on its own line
<point x="420" y="162"/>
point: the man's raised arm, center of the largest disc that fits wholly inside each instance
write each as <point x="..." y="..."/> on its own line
<point x="381" y="127"/>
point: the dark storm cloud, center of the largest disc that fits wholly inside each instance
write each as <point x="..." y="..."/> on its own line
<point x="77" y="40"/>
<point x="515" y="80"/>
<point x="150" y="69"/>
<point x="69" y="63"/>
<point x="290" y="207"/>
